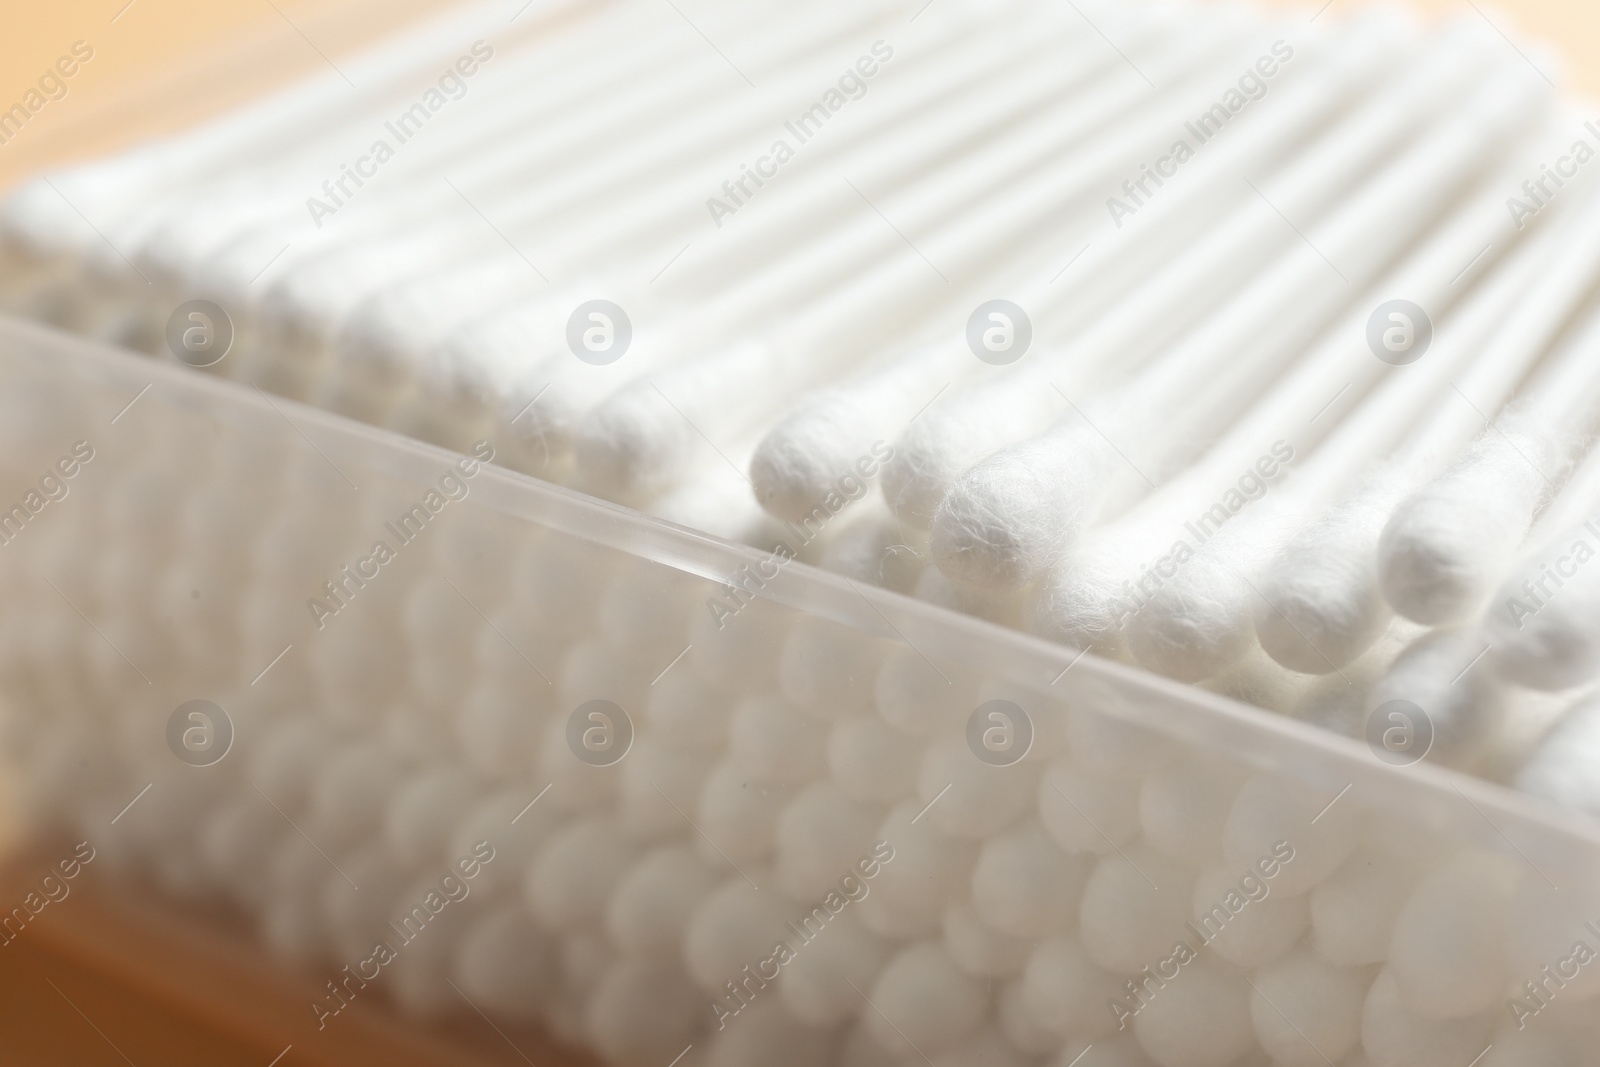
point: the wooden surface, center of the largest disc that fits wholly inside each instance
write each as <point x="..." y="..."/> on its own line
<point x="116" y="974"/>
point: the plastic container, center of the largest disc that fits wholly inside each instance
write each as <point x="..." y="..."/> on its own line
<point x="740" y="810"/>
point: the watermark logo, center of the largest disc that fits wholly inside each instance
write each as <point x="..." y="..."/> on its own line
<point x="999" y="732"/>
<point x="199" y="733"/>
<point x="1399" y="332"/>
<point x="199" y="333"/>
<point x="599" y="733"/>
<point x="1399" y="732"/>
<point x="999" y="332"/>
<point x="599" y="332"/>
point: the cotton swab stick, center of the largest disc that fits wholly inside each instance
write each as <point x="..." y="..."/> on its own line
<point x="1206" y="616"/>
<point x="607" y="136"/>
<point x="1446" y="545"/>
<point x="802" y="454"/>
<point x="1090" y="598"/>
<point x="1327" y="606"/>
<point x="631" y="444"/>
<point x="546" y="419"/>
<point x="952" y="436"/>
<point x="1017" y="513"/>
<point x="1541" y="625"/>
<point x="1016" y="150"/>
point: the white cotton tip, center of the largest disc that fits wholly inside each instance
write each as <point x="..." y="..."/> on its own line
<point x="1321" y="604"/>
<point x="498" y="726"/>
<point x="1447" y="545"/>
<point x="643" y="1013"/>
<point x="1464" y="704"/>
<point x="820" y="836"/>
<point x="870" y="761"/>
<point x="1025" y="886"/>
<point x="1199" y="623"/>
<point x="740" y="812"/>
<point x="1244" y="921"/>
<point x="634" y="445"/>
<point x="738" y="654"/>
<point x="1271" y="819"/>
<point x="1448" y="954"/>
<point x="1016" y="1023"/>
<point x="1353" y="912"/>
<point x="765" y="1033"/>
<point x="1259" y="680"/>
<point x="658" y="785"/>
<point x="982" y="798"/>
<point x="1562" y="769"/>
<point x="1002" y="609"/>
<point x="1085" y="810"/>
<point x="979" y="949"/>
<point x="951" y="437"/>
<point x="1080" y="604"/>
<point x="515" y="843"/>
<point x="1393" y="1035"/>
<point x="1201" y="1019"/>
<point x="1543" y="625"/>
<point x="989" y="1047"/>
<point x="1183" y="807"/>
<point x="772" y="740"/>
<point x="1536" y="1046"/>
<point x="687" y="712"/>
<point x="1135" y="902"/>
<point x="930" y="870"/>
<point x="352" y="792"/>
<point x="912" y="697"/>
<point x="558" y="580"/>
<point x="284" y="763"/>
<point x="506" y="964"/>
<point x="872" y="546"/>
<point x="1068" y="992"/>
<point x="650" y="911"/>
<point x="1544" y="923"/>
<point x="734" y="927"/>
<point x="816" y="986"/>
<point x="811" y="452"/>
<point x="572" y="880"/>
<point x="1011" y="517"/>
<point x="822" y="664"/>
<point x="922" y="997"/>
<point x="1120" y="1051"/>
<point x="1306" y="1011"/>
<point x="1110" y="744"/>
<point x="425" y="811"/>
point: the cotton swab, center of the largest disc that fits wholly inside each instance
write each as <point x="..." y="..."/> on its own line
<point x="1446" y="545"/>
<point x="949" y="438"/>
<point x="641" y="428"/>
<point x="1011" y="517"/>
<point x="1327" y="606"/>
<point x="804" y="451"/>
<point x="1540" y="624"/>
<point x="1198" y="621"/>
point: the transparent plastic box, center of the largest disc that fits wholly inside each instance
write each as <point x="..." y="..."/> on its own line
<point x="740" y="810"/>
